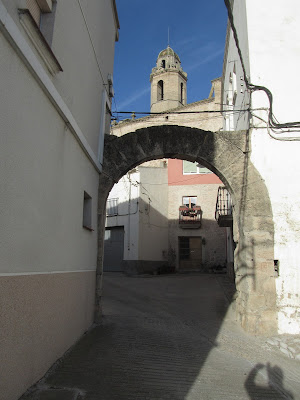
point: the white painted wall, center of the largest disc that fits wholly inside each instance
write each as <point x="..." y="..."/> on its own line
<point x="127" y="191"/>
<point x="153" y="223"/>
<point x="49" y="136"/>
<point x="142" y="209"/>
<point x="44" y="170"/>
<point x="44" y="174"/>
<point x="274" y="55"/>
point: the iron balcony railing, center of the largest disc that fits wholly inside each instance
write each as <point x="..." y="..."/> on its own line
<point x="190" y="216"/>
<point x="112" y="207"/>
<point x="223" y="205"/>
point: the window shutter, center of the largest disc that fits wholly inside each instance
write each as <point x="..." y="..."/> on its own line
<point x="34" y="10"/>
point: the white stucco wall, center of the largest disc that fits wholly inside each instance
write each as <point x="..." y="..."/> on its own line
<point x="127" y="191"/>
<point x="142" y="210"/>
<point x="44" y="171"/>
<point x="82" y="79"/>
<point x="50" y="127"/>
<point x="272" y="41"/>
<point x="44" y="174"/>
<point x="153" y="223"/>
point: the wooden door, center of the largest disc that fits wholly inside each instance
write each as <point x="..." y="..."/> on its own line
<point x="190" y="252"/>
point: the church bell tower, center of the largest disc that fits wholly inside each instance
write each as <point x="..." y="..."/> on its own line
<point x="168" y="82"/>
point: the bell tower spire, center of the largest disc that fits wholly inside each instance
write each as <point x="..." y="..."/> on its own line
<point x="168" y="82"/>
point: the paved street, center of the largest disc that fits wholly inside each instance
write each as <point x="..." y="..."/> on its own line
<point x="169" y="337"/>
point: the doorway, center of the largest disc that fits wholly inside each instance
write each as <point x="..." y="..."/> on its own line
<point x="113" y="249"/>
<point x="190" y="252"/>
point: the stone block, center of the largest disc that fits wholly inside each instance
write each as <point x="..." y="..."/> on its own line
<point x="285" y="351"/>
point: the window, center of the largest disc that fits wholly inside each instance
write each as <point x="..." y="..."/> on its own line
<point x="234" y="92"/>
<point x="229" y="122"/>
<point x="112" y="207"/>
<point x="194" y="168"/>
<point x="189" y="201"/>
<point x="232" y="87"/>
<point x="163" y="63"/>
<point x="34" y="10"/>
<point x="181" y="92"/>
<point x="37" y="7"/>
<point x="160" y="90"/>
<point x="87" y="211"/>
<point x="37" y="18"/>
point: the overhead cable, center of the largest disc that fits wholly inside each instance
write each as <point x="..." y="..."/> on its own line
<point x="92" y="44"/>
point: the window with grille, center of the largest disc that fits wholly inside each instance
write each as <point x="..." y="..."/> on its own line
<point x="112" y="207"/>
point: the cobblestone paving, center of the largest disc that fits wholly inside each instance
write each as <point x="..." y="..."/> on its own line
<point x="287" y="344"/>
<point x="170" y="337"/>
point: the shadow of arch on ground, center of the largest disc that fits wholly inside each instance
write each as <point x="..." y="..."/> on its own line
<point x="227" y="154"/>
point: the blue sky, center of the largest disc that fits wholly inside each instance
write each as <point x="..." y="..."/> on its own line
<point x="197" y="35"/>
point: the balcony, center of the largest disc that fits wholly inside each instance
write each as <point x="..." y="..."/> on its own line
<point x="223" y="213"/>
<point x="190" y="217"/>
<point x="112" y="207"/>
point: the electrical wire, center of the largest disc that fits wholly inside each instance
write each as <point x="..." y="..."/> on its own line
<point x="125" y="215"/>
<point x="149" y="122"/>
<point x="92" y="44"/>
<point x="175" y="112"/>
<point x="275" y="136"/>
<point x="271" y="119"/>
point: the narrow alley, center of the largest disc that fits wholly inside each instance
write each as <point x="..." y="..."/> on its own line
<point x="169" y="337"/>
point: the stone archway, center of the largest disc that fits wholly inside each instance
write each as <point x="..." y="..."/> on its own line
<point x="227" y="154"/>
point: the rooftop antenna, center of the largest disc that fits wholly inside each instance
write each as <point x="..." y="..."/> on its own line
<point x="168" y="36"/>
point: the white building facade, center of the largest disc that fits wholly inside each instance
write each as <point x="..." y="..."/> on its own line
<point x="136" y="235"/>
<point x="267" y="34"/>
<point x="56" y="69"/>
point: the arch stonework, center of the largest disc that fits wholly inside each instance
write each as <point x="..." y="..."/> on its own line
<point x="227" y="154"/>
